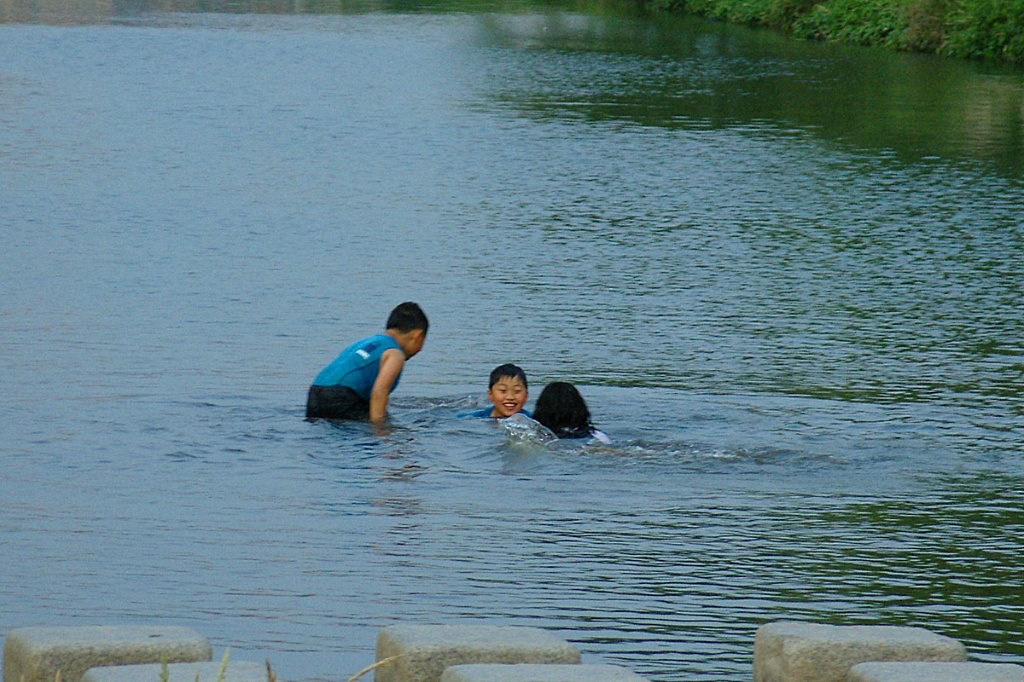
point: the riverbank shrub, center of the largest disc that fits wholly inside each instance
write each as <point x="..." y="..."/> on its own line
<point x="992" y="29"/>
<point x="979" y="29"/>
<point x="912" y="25"/>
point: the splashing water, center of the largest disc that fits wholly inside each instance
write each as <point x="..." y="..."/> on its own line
<point x="521" y="429"/>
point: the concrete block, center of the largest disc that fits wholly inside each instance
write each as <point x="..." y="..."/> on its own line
<point x="237" y="671"/>
<point x="538" y="672"/>
<point x="422" y="652"/>
<point x="36" y="654"/>
<point x="935" y="671"/>
<point x="787" y="651"/>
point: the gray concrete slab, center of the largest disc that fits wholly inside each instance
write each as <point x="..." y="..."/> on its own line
<point x="789" y="651"/>
<point x="236" y="671"/>
<point x="420" y="653"/>
<point x="35" y="654"/>
<point x="935" y="671"/>
<point x="539" y="672"/>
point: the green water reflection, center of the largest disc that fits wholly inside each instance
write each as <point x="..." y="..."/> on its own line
<point x="946" y="560"/>
<point x="689" y="72"/>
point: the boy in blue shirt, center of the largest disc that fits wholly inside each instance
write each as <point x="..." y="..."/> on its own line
<point x="357" y="383"/>
<point x="507" y="391"/>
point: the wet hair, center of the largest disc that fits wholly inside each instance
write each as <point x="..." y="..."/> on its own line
<point x="562" y="409"/>
<point x="507" y="370"/>
<point x="407" y="317"/>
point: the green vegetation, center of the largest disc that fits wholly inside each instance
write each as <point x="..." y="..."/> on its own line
<point x="980" y="29"/>
<point x="222" y="670"/>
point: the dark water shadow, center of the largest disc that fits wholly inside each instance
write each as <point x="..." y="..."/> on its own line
<point x="689" y="73"/>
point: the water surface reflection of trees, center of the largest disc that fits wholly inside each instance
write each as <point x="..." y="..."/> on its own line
<point x="687" y="72"/>
<point x="600" y="60"/>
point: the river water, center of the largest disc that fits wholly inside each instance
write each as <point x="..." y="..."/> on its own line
<point x="786" y="276"/>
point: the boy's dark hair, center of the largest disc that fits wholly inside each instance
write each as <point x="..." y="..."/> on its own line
<point x="562" y="409"/>
<point x="407" y="317"/>
<point x="507" y="370"/>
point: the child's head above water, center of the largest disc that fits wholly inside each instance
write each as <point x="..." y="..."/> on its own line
<point x="562" y="409"/>
<point x="507" y="390"/>
<point x="408" y="325"/>
<point x="407" y="317"/>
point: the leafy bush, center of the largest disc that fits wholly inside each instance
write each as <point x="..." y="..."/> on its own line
<point x="863" y="22"/>
<point x="989" y="29"/>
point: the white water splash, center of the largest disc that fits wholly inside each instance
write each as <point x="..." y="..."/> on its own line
<point x="521" y="429"/>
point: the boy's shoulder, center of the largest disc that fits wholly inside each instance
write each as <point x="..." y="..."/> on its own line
<point x="372" y="342"/>
<point x="486" y="412"/>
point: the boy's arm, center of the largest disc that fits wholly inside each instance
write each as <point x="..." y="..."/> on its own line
<point x="391" y="363"/>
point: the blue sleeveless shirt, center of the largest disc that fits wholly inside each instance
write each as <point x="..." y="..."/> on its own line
<point x="357" y="366"/>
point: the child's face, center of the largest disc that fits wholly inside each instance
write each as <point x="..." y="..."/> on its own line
<point x="416" y="341"/>
<point x="508" y="395"/>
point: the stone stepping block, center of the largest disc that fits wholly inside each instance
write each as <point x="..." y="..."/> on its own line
<point x="236" y="671"/>
<point x="538" y="672"/>
<point x="35" y="654"/>
<point x="788" y="651"/>
<point x="932" y="671"/>
<point x="422" y="652"/>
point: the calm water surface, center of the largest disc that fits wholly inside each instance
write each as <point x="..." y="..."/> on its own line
<point x="786" y="276"/>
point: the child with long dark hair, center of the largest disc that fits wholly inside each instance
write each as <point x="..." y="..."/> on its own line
<point x="562" y="409"/>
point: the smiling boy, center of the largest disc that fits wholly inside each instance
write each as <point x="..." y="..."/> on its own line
<point x="507" y="391"/>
